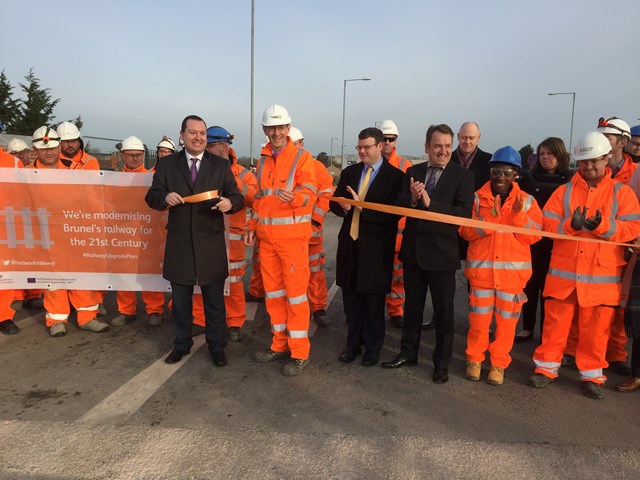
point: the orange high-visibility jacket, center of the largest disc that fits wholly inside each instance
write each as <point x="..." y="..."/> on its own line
<point x="81" y="161"/>
<point x="9" y="161"/>
<point x="500" y="260"/>
<point x="139" y="169"/>
<point x="248" y="186"/>
<point x="324" y="184"/>
<point x="401" y="164"/>
<point x="626" y="170"/>
<point x="293" y="170"/>
<point x="593" y="270"/>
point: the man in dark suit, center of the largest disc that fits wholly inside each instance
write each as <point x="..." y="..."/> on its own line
<point x="429" y="251"/>
<point x="366" y="245"/>
<point x="195" y="252"/>
<point x="469" y="155"/>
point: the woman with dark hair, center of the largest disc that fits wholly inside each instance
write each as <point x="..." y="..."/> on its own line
<point x="550" y="170"/>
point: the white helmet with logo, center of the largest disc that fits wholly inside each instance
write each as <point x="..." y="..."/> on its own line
<point x="275" y="115"/>
<point x="591" y="146"/>
<point x="388" y="127"/>
<point x="68" y="131"/>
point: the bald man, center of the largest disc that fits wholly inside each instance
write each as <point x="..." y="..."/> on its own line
<point x="469" y="155"/>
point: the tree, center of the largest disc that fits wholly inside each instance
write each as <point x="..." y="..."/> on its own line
<point x="8" y="106"/>
<point x="525" y="152"/>
<point x="324" y="159"/>
<point x="36" y="109"/>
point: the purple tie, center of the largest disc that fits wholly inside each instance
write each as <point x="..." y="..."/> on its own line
<point x="194" y="169"/>
<point x="431" y="181"/>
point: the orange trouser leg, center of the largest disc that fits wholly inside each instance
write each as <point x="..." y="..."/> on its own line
<point x="256" y="287"/>
<point x="395" y="298"/>
<point x="480" y="316"/>
<point x="558" y="317"/>
<point x="198" y="310"/>
<point x="317" y="291"/>
<point x="285" y="273"/>
<point x="35" y="293"/>
<point x="507" y="312"/>
<point x="19" y="295"/>
<point x="6" y="312"/>
<point x="594" y="327"/>
<point x="85" y="303"/>
<point x="617" y="346"/>
<point x="126" y="302"/>
<point x="235" y="303"/>
<point x="56" y="305"/>
<point x="98" y="295"/>
<point x="572" y="341"/>
<point x="153" y="301"/>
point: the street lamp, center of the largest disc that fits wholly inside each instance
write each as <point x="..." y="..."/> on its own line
<point x="344" y="104"/>
<point x="573" y="107"/>
<point x="331" y="156"/>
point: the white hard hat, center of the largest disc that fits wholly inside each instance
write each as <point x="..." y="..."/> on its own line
<point x="17" y="145"/>
<point x="388" y="127"/>
<point x="614" y="126"/>
<point x="275" y="115"/>
<point x="45" y="137"/>
<point x="265" y="140"/>
<point x="68" y="131"/>
<point x="166" y="142"/>
<point x="132" y="143"/>
<point x="590" y="146"/>
<point x="295" y="134"/>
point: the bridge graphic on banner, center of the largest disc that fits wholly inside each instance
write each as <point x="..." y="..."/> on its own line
<point x="26" y="215"/>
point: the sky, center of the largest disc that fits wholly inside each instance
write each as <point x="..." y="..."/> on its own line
<point x="139" y="67"/>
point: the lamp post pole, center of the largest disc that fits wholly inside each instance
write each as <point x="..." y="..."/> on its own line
<point x="573" y="108"/>
<point x="344" y="104"/>
<point x="331" y="155"/>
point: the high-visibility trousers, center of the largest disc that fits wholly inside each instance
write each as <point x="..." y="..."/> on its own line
<point x="153" y="301"/>
<point x="593" y="323"/>
<point x="317" y="291"/>
<point x="57" y="305"/>
<point x="285" y="274"/>
<point x="27" y="294"/>
<point x="256" y="288"/>
<point x="617" y="345"/>
<point x="99" y="295"/>
<point x="6" y="312"/>
<point x="395" y="298"/>
<point x="484" y="305"/>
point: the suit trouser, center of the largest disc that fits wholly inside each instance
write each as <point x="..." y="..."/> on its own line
<point x="365" y="317"/>
<point x="154" y="301"/>
<point x="617" y="345"/>
<point x="594" y="324"/>
<point x="396" y="297"/>
<point x="57" y="305"/>
<point x="256" y="288"/>
<point x="317" y="291"/>
<point x="6" y="312"/>
<point x="635" y="357"/>
<point x="285" y="274"/>
<point x="484" y="305"/>
<point x="27" y="294"/>
<point x="443" y="289"/>
<point x="213" y="299"/>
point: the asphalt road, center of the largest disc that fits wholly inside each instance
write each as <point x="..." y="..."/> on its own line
<point x="106" y="406"/>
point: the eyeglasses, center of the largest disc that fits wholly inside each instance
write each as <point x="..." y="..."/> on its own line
<point x="133" y="155"/>
<point x="390" y="139"/>
<point x="365" y="147"/>
<point x="498" y="172"/>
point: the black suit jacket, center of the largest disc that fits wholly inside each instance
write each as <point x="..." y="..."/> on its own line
<point x="366" y="266"/>
<point x="195" y="251"/>
<point x="479" y="167"/>
<point x="434" y="245"/>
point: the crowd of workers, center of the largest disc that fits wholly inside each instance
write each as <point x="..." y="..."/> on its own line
<point x="575" y="281"/>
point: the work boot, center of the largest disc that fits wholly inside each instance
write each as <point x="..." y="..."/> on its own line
<point x="321" y="318"/>
<point x="568" y="361"/>
<point x="537" y="380"/>
<point x="35" y="303"/>
<point x="95" y="326"/>
<point x="496" y="376"/>
<point x="122" y="320"/>
<point x="58" y="329"/>
<point x="8" y="327"/>
<point x="155" y="319"/>
<point x="235" y="334"/>
<point x="621" y="368"/>
<point x="17" y="305"/>
<point x="294" y="367"/>
<point x="269" y="355"/>
<point x="101" y="310"/>
<point x="592" y="390"/>
<point x="397" y="321"/>
<point x="473" y="371"/>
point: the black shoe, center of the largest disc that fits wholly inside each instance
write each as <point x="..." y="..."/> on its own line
<point x="321" y="318"/>
<point x="430" y="324"/>
<point x="397" y="321"/>
<point x="348" y="355"/>
<point x="523" y="338"/>
<point x="370" y="359"/>
<point x="219" y="359"/>
<point x="8" y="327"/>
<point x="621" y="368"/>
<point x="176" y="355"/>
<point x="440" y="376"/>
<point x="400" y="361"/>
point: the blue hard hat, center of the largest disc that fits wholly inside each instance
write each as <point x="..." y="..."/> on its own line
<point x="218" y="134"/>
<point x="635" y="131"/>
<point x="508" y="155"/>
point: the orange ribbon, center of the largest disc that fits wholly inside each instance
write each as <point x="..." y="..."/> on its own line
<point x="201" y="197"/>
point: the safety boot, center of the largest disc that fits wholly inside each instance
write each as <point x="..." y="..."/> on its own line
<point x="537" y="380"/>
<point x="8" y="327"/>
<point x="592" y="390"/>
<point x="269" y="355"/>
<point x="94" y="326"/>
<point x="35" y="303"/>
<point x="294" y="367"/>
<point x="122" y="319"/>
<point x="58" y="329"/>
<point x="155" y="320"/>
<point x="473" y="371"/>
<point x="321" y="318"/>
<point x="17" y="305"/>
<point x="101" y="310"/>
<point x="496" y="376"/>
<point x="235" y="334"/>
